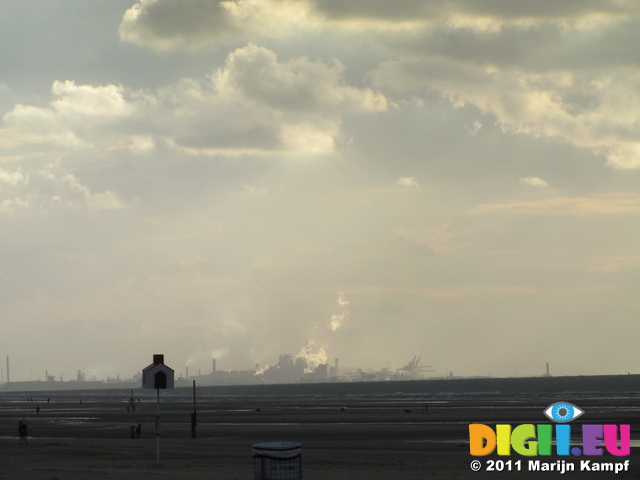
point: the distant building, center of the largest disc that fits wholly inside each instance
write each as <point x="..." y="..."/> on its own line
<point x="322" y="372"/>
<point x="289" y="369"/>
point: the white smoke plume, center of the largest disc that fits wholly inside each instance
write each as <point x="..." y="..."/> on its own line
<point x="260" y="369"/>
<point x="313" y="355"/>
<point x="336" y="320"/>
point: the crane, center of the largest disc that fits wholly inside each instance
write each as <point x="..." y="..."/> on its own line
<point x="413" y="370"/>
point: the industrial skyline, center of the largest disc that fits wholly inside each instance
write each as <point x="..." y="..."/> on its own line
<point x="288" y="369"/>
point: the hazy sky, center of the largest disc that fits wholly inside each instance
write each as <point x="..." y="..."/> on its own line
<point x="364" y="179"/>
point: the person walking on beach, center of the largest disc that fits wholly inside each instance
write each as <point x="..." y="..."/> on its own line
<point x="22" y="432"/>
<point x="139" y="431"/>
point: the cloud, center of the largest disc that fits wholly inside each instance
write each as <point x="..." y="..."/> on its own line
<point x="533" y="182"/>
<point x="253" y="104"/>
<point x="72" y="106"/>
<point x="77" y="117"/>
<point x="596" y="205"/>
<point x="589" y="106"/>
<point x="72" y="193"/>
<point x="12" y="178"/>
<point x="477" y="126"/>
<point x="408" y="182"/>
<point x="193" y="24"/>
<point x="138" y="144"/>
<point x="296" y="86"/>
<point x="87" y="101"/>
<point x="253" y="190"/>
<point x="51" y="188"/>
<point x="14" y="205"/>
<point x="167" y="24"/>
<point x="260" y="104"/>
<point x="446" y="50"/>
<point x="469" y="12"/>
<point x="441" y="239"/>
<point x="618" y="263"/>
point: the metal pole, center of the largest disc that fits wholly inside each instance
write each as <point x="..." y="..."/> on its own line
<point x="158" y="425"/>
<point x="194" y="420"/>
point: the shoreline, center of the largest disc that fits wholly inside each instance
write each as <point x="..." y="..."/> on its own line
<point x="539" y="384"/>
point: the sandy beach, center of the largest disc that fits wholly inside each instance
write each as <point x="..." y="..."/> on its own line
<point x="86" y="435"/>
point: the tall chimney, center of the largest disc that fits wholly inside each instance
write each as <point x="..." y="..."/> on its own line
<point x="337" y="372"/>
<point x="214" y="364"/>
<point x="158" y="359"/>
<point x="8" y="377"/>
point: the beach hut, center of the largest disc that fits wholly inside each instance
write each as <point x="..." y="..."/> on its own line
<point x="157" y="375"/>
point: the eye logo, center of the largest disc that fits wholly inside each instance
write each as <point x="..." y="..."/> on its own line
<point x="562" y="412"/>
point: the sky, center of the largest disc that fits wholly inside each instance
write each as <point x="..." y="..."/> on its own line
<point x="363" y="180"/>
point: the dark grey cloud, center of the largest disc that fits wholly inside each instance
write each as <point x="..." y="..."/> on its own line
<point x="186" y="22"/>
<point x="540" y="48"/>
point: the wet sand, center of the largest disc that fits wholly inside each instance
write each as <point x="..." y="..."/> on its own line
<point x="373" y="438"/>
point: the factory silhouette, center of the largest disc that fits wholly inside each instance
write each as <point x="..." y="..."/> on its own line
<point x="288" y="369"/>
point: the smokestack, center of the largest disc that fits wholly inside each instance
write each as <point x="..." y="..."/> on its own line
<point x="8" y="377"/>
<point x="337" y="371"/>
<point x="187" y="373"/>
<point x="213" y="360"/>
<point x="548" y="369"/>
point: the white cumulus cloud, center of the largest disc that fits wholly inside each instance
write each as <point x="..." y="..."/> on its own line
<point x="408" y="182"/>
<point x="254" y="103"/>
<point x="533" y="181"/>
